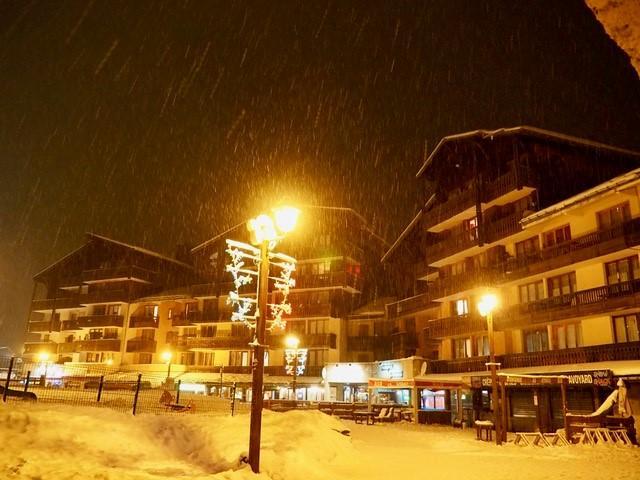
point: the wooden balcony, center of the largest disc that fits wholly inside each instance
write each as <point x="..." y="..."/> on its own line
<point x="306" y="310"/>
<point x="369" y="343"/>
<point x="461" y="200"/>
<point x="104" y="296"/>
<point x="186" y="342"/>
<point x="93" y="321"/>
<point x="457" y="325"/>
<point x="447" y="245"/>
<point x="331" y="279"/>
<point x="596" y="353"/>
<point x="33" y="348"/>
<point x="585" y="247"/>
<point x="142" y="345"/>
<point x="569" y="357"/>
<point x="98" y="345"/>
<point x="130" y="272"/>
<point x="44" y="326"/>
<point x="503" y="227"/>
<point x="403" y="344"/>
<point x="409" y="306"/>
<point x="143" y="322"/>
<point x="49" y="304"/>
<point x="593" y="301"/>
<point x="445" y="286"/>
<point x="309" y="340"/>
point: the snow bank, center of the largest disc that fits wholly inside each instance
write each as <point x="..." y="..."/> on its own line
<point x="68" y="443"/>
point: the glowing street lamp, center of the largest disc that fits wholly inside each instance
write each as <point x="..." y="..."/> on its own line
<point x="166" y="358"/>
<point x="486" y="306"/>
<point x="265" y="230"/>
<point x="43" y="357"/>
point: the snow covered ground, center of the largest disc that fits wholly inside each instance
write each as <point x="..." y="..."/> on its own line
<point x="52" y="442"/>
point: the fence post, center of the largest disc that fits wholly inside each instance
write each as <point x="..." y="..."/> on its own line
<point x="6" y="384"/>
<point x="26" y="382"/>
<point x="233" y="398"/>
<point x="100" y="385"/>
<point x="135" y="398"/>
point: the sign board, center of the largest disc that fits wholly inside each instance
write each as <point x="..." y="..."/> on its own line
<point x="390" y="370"/>
<point x="599" y="378"/>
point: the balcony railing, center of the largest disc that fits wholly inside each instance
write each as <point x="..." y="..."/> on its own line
<point x="460" y="325"/>
<point x="503" y="227"/>
<point x="369" y="343"/>
<point x="403" y="344"/>
<point x="57" y="303"/>
<point x="104" y="296"/>
<point x="584" y="302"/>
<point x="143" y="322"/>
<point x="114" y="273"/>
<point x="45" y="326"/>
<point x="305" y="310"/>
<point x="308" y="340"/>
<point x="569" y="356"/>
<point x="409" y="305"/>
<point x="180" y="320"/>
<point x="97" y="345"/>
<point x="330" y="279"/>
<point x="187" y="342"/>
<point x="31" y="348"/>
<point x="93" y="321"/>
<point x="451" y="244"/>
<point x="140" y="344"/>
<point x="461" y="200"/>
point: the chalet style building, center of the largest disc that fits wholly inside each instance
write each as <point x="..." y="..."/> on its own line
<point x="547" y="222"/>
<point x="123" y="306"/>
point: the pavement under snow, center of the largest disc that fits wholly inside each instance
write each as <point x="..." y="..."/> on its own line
<point x="47" y="442"/>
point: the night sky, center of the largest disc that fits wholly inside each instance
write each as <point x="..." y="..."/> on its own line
<point x="159" y="123"/>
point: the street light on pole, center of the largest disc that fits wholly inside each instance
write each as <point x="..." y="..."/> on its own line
<point x="167" y="356"/>
<point x="486" y="306"/>
<point x="292" y="343"/>
<point x="265" y="231"/>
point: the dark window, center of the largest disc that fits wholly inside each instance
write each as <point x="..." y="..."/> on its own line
<point x="614" y="216"/>
<point x="536" y="340"/>
<point x="531" y="292"/>
<point x="622" y="270"/>
<point x="528" y="247"/>
<point x="562" y="284"/>
<point x="557" y="236"/>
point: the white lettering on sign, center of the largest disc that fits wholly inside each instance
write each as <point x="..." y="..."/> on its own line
<point x="581" y="379"/>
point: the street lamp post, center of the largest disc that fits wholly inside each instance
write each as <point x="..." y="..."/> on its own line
<point x="486" y="305"/>
<point x="265" y="231"/>
<point x="167" y="356"/>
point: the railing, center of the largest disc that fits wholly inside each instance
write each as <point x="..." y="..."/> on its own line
<point x="180" y="320"/>
<point x="451" y="244"/>
<point x="460" y="365"/>
<point x="308" y="340"/>
<point x="331" y="279"/>
<point x="140" y="344"/>
<point x="97" y="345"/>
<point x="124" y="272"/>
<point x="409" y="305"/>
<point x="44" y="326"/>
<point x="508" y="183"/>
<point x="104" y="296"/>
<point x="503" y="227"/>
<point x="51" y="303"/>
<point x="143" y="322"/>
<point x="581" y="303"/>
<point x="445" y="286"/>
<point x="460" y="325"/>
<point x="403" y="344"/>
<point x="310" y="310"/>
<point x="185" y="342"/>
<point x="570" y="356"/>
<point x="40" y="347"/>
<point x="93" y="321"/>
<point x="368" y="343"/>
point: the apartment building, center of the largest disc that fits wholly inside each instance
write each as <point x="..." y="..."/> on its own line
<point x="548" y="223"/>
<point x="108" y="303"/>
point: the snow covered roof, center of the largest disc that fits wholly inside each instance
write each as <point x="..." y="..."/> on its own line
<point x="402" y="236"/>
<point x="91" y="235"/>
<point x="615" y="184"/>
<point x="523" y="129"/>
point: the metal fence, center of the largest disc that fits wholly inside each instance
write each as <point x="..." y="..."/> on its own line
<point x="103" y="386"/>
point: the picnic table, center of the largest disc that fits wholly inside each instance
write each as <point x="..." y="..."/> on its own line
<point x="360" y="416"/>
